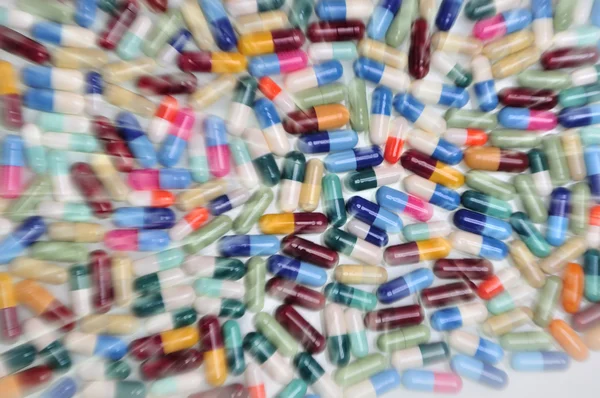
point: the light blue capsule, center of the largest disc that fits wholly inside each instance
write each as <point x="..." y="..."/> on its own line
<point x="478" y="371"/>
<point x="63" y="388"/>
<point x="540" y="361"/>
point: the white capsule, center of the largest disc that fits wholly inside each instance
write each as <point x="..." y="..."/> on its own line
<point x="318" y="52"/>
<point x="423" y="142"/>
<point x="69" y="123"/>
<point x="75" y="36"/>
<point x="239" y="196"/>
<point x="278" y="369"/>
<point x="464" y="342"/>
<point x="39" y="333"/>
<point x="395" y="79"/>
<point x="582" y="12"/>
<point x="505" y="5"/>
<point x="68" y="142"/>
<point x="67" y="80"/>
<point x="542" y="183"/>
<point x="178" y="296"/>
<point x="379" y="127"/>
<point x="543" y="32"/>
<point x="167" y="55"/>
<point x="141" y="26"/>
<point x="481" y="68"/>
<point x="358" y="9"/>
<point x="508" y="276"/>
<point x="178" y="385"/>
<point x="584" y="76"/>
<point x="472" y="313"/>
<point x="289" y="195"/>
<point x="92" y="370"/>
<point x="80" y="343"/>
<point x="593" y="236"/>
<point x="367" y="252"/>
<point x="301" y="80"/>
<point x="335" y="322"/>
<point x="81" y="300"/>
<point x="140" y="198"/>
<point x="277" y="139"/>
<point x="419" y="187"/>
<point x="430" y="121"/>
<point x="466" y="242"/>
<point x="407" y="358"/>
<point x="247" y="175"/>
<point x="326" y="388"/>
<point x="238" y="118"/>
<point x="257" y="143"/>
<point x="428" y="92"/>
<point x="427" y="9"/>
<point x="208" y="305"/>
<point x="17" y="19"/>
<point x="199" y="266"/>
<point x="458" y="137"/>
<point x="96" y="105"/>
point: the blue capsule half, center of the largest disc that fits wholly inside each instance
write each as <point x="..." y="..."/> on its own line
<point x="517" y="19"/>
<point x="372" y="234"/>
<point x="592" y="164"/>
<point x="144" y="217"/>
<point x="447" y="14"/>
<point x="372" y="213"/>
<point x="248" y="245"/>
<point x="353" y="159"/>
<point x="381" y="101"/>
<point x="220" y="205"/>
<point x="175" y="178"/>
<point x="368" y="69"/>
<point x="179" y="40"/>
<point x="22" y="237"/>
<point x="381" y="19"/>
<point x="64" y="388"/>
<point x="94" y="83"/>
<point x="50" y="32"/>
<point x="327" y="141"/>
<point x="85" y="13"/>
<point x="331" y="10"/>
<point x="478" y="371"/>
<point x="266" y="113"/>
<point x="579" y="116"/>
<point x="488" y="351"/>
<point x="40" y="99"/>
<point x="264" y="65"/>
<point x="453" y="97"/>
<point x="486" y="95"/>
<point x="408" y="106"/>
<point x="110" y="347"/>
<point x="404" y="286"/>
<point x="481" y="224"/>
<point x="328" y="72"/>
<point x="296" y="270"/>
<point x="558" y="216"/>
<point x="13" y="151"/>
<point x="447" y="152"/>
<point x="540" y="361"/>
<point x="392" y="199"/>
<point x="445" y="198"/>
<point x="220" y="26"/>
<point x="446" y="319"/>
<point x="385" y="381"/>
<point x="152" y="240"/>
<point x="541" y="9"/>
<point x="492" y="249"/>
<point x="37" y="76"/>
<point x="138" y="142"/>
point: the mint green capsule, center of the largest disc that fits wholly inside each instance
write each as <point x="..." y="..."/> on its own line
<point x="72" y="212"/>
<point x="350" y="296"/>
<point x="526" y="341"/>
<point x="590" y="135"/>
<point x="356" y="331"/>
<point x="509" y="139"/>
<point x="333" y="200"/>
<point x="486" y="204"/>
<point x="579" y="217"/>
<point x="294" y="389"/>
<point x="211" y="287"/>
<point x="56" y="11"/>
<point x="468" y="119"/>
<point x="206" y="235"/>
<point x="255" y="281"/>
<point x="509" y="299"/>
<point x="252" y="210"/>
<point x="357" y="105"/>
<point x="402" y="22"/>
<point x="563" y="14"/>
<point x="489" y="185"/>
<point x="425" y="230"/>
<point x="530" y="235"/>
<point x="579" y="96"/>
<point x="276" y="334"/>
<point x="547" y="300"/>
<point x="557" y="160"/>
<point x="403" y="338"/>
<point x="532" y="202"/>
<point x="553" y="80"/>
<point x="59" y="123"/>
<point x="167" y="26"/>
<point x="234" y="351"/>
<point x="130" y="46"/>
<point x="327" y="94"/>
<point x="66" y="252"/>
<point x="300" y="13"/>
<point x="72" y="142"/>
<point x="360" y="370"/>
<point x="26" y="205"/>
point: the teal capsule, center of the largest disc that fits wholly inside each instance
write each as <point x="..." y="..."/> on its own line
<point x="425" y="230"/>
<point x="338" y="341"/>
<point x="350" y="296"/>
<point x="17" y="358"/>
<point x="579" y="96"/>
<point x="490" y="185"/>
<point x="158" y="280"/>
<point x="590" y="135"/>
<point x="234" y="351"/>
<point x="223" y="308"/>
<point x="294" y="389"/>
<point x="530" y="235"/>
<point x="211" y="287"/>
<point x="165" y="300"/>
<point x="333" y="198"/>
<point x="308" y="368"/>
<point x="300" y="13"/>
<point x="511" y="139"/>
<point x="591" y="270"/>
<point x="486" y="204"/>
<point x="168" y="24"/>
<point x="252" y="210"/>
<point x="104" y="370"/>
<point x="557" y="160"/>
<point x="579" y="218"/>
<point x="509" y="299"/>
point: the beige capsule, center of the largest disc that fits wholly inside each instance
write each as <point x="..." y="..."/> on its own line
<point x="129" y="101"/>
<point x="79" y="58"/>
<point x="124" y="71"/>
<point x="507" y="45"/>
<point x="453" y="43"/>
<point x="527" y="263"/>
<point x="569" y="251"/>
<point x="4" y="204"/>
<point x="310" y="193"/>
<point x="507" y="322"/>
<point x="197" y="25"/>
<point x="591" y="338"/>
<point x="38" y="270"/>
<point x="122" y="279"/>
<point x="110" y="178"/>
<point x="261" y="22"/>
<point x="116" y="325"/>
<point x="516" y="63"/>
<point x="383" y="53"/>
<point x="78" y="232"/>
<point x="355" y="274"/>
<point x="573" y="148"/>
<point x="213" y="91"/>
<point x="201" y="194"/>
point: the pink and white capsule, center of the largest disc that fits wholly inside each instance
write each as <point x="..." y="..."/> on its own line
<point x="254" y="381"/>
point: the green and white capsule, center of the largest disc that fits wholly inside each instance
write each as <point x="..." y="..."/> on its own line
<point x="453" y="71"/>
<point x="356" y="331"/>
<point x="579" y="218"/>
<point x="73" y="212"/>
<point x="234" y="351"/>
<point x="211" y="287"/>
<point x="403" y="338"/>
<point x="253" y="209"/>
<point x="422" y="355"/>
<point x="197" y="160"/>
<point x="61" y="123"/>
<point x="526" y="341"/>
<point x="369" y="178"/>
<point x="35" y="151"/>
<point x="224" y="308"/>
<point x="557" y="160"/>
<point x="276" y="334"/>
<point x="81" y="290"/>
<point x="360" y="370"/>
<point x="350" y="296"/>
<point x="178" y="385"/>
<point x="240" y="109"/>
<point x="510" y="299"/>
<point x="179" y="318"/>
<point x="266" y="355"/>
<point x="352" y="246"/>
<point x="244" y="168"/>
<point x="25" y="206"/>
<point x="214" y="267"/>
<point x="71" y="142"/>
<point x="357" y="105"/>
<point x="97" y="369"/>
<point x="426" y="230"/>
<point x="292" y="177"/>
<point x="294" y="389"/>
<point x="208" y="234"/>
<point x="159" y="280"/>
<point x="113" y="389"/>
<point x="341" y="50"/>
<point x="130" y="46"/>
<point x="533" y="203"/>
<point x="581" y="36"/>
<point x="513" y="139"/>
<point x="489" y="185"/>
<point x="166" y="300"/>
<point x="338" y="341"/>
<point x="590" y="136"/>
<point x="255" y="282"/>
<point x="315" y="376"/>
<point x="157" y="262"/>
<point x="547" y="300"/>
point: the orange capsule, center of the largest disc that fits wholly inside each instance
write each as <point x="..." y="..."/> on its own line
<point x="496" y="159"/>
<point x="319" y="118"/>
<point x="156" y="198"/>
<point x="570" y="341"/>
<point x="466" y="137"/>
<point x="572" y="292"/>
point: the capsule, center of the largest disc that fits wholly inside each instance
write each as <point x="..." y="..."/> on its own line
<point x="252" y="210"/>
<point x="227" y="308"/>
<point x="502" y="24"/>
<point x="593" y="232"/>
<point x="292" y="293"/>
<point x="25" y="382"/>
<point x="432" y="170"/>
<point x="455" y="317"/>
<point x="515" y="63"/>
<point x="63" y="388"/>
<point x="166" y="300"/>
<point x="569" y="57"/>
<point x="529" y="234"/>
<point x="433" y="93"/>
<point x="569" y="340"/>
<point x="443" y="295"/>
<point x="558" y="216"/>
<point x="431" y="192"/>
<point x="295" y="270"/>
<point x="63" y="35"/>
<point x="108" y="347"/>
<point x="490" y="185"/>
<point x="292" y="322"/>
<point x="180" y="318"/>
<point x="169" y="365"/>
<point x="395" y="140"/>
<point x="420" y="356"/>
<point x="498" y="283"/>
<point x="352" y="246"/>
<point x="308" y="251"/>
<point x="270" y="361"/>
<point x="350" y="296"/>
<point x="404" y="286"/>
<point x="369" y="233"/>
<point x="479" y="371"/>
<point x="421" y="115"/>
<point x="591" y="269"/>
<point x="480" y="224"/>
<point x="592" y="164"/>
<point x="113" y="389"/>
<point x="379" y="73"/>
<point x="539" y="361"/>
<point x="485" y="89"/>
<point x="429" y="381"/>
<point x="372" y="178"/>
<point x="462" y="118"/>
<point x="316" y="76"/>
<point x="357" y="104"/>
<point x="394" y="318"/>
<point x="472" y="268"/>
<point x="22" y="46"/>
<point x="353" y="159"/>
<point x="109" y="324"/>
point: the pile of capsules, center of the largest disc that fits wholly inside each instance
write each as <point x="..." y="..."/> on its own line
<point x="122" y="216"/>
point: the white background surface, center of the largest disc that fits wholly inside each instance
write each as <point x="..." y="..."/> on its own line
<point x="579" y="379"/>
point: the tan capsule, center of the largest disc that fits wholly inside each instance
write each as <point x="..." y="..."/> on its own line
<point x="213" y="91"/>
<point x="516" y="63"/>
<point x="383" y="53"/>
<point x="564" y="254"/>
<point x="129" y="101"/>
<point x="116" y="325"/>
<point x="197" y="24"/>
<point x="526" y="262"/>
<point x="79" y="58"/>
<point x="38" y="270"/>
<point x="355" y="274"/>
<point x="261" y="22"/>
<point x="124" y="71"/>
<point x="201" y="195"/>
<point x="79" y="232"/>
<point x="110" y="178"/>
<point x="591" y="338"/>
<point x="310" y="193"/>
<point x="504" y="323"/>
<point x="122" y="278"/>
<point x="574" y="152"/>
<point x="507" y="45"/>
<point x="453" y="43"/>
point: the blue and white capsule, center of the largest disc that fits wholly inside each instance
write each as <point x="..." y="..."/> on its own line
<point x="591" y="156"/>
<point x="479" y="371"/>
<point x="315" y="76"/>
<point x="579" y="116"/>
<point x="452" y="318"/>
<point x="270" y="124"/>
<point x="64" y="388"/>
<point x="484" y="85"/>
<point x="381" y="112"/>
<point x="540" y="361"/>
<point x="46" y="100"/>
<point x="370" y="233"/>
<point x="543" y="28"/>
<point x="558" y="216"/>
<point x="434" y="93"/>
<point x="248" y="245"/>
<point x="376" y="385"/>
<point x="220" y="26"/>
<point x="342" y="10"/>
<point x="224" y="203"/>
<point x="131" y="131"/>
<point x="381" y="18"/>
<point x="353" y="159"/>
<point x="379" y="73"/>
<point x="35" y="153"/>
<point x="405" y="285"/>
<point x="85" y="13"/>
<point x="144" y="217"/>
<point x="53" y="78"/>
<point x="401" y="202"/>
<point x="372" y="213"/>
<point x="173" y="48"/>
<point x="431" y="192"/>
<point x="447" y="14"/>
<point x="109" y="347"/>
<point x="478" y="245"/>
<point x="481" y="224"/>
<point x="437" y="148"/>
<point x="419" y="114"/>
<point x="63" y="35"/>
<point x="20" y="238"/>
<point x="17" y="19"/>
<point x="197" y="160"/>
<point x="296" y="270"/>
<point x="327" y="141"/>
<point x="95" y="104"/>
<point x="477" y="347"/>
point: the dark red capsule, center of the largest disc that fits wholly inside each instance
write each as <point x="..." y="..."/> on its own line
<point x="171" y="364"/>
<point x="61" y="314"/>
<point x="211" y="337"/>
<point x="531" y="98"/>
<point x="310" y="338"/>
<point x="114" y="145"/>
<point x="22" y="46"/>
<point x="171" y="84"/>
<point x="307" y="251"/>
<point x="301" y="122"/>
<point x="117" y="26"/>
<point x="12" y="113"/>
<point x="586" y="318"/>
<point x="444" y="295"/>
<point x="569" y="57"/>
<point x="419" y="53"/>
<point x="145" y="347"/>
<point x="158" y="6"/>
<point x="294" y="294"/>
<point x="335" y="31"/>
<point x="195" y="61"/>
<point x="459" y="268"/>
<point x="92" y="189"/>
<point x="27" y="381"/>
<point x="419" y="163"/>
<point x="394" y="317"/>
<point x="104" y="294"/>
<point x="287" y="39"/>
